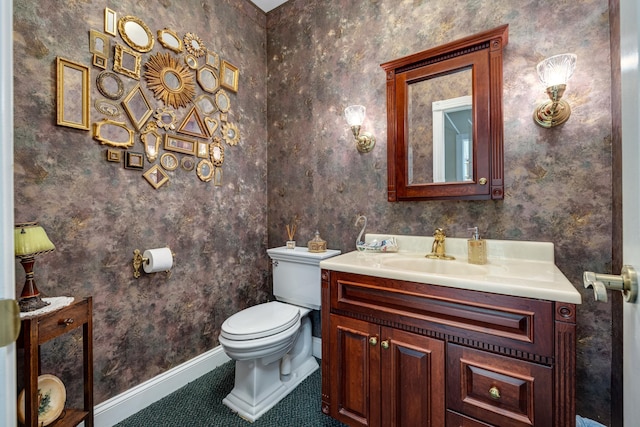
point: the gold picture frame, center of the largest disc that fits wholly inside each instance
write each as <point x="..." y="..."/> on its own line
<point x="169" y="39"/>
<point x="107" y="108"/>
<point x="112" y="133"/>
<point x="193" y="125"/>
<point x="72" y="94"/>
<point x="110" y="85"/>
<point x="230" y="133"/>
<point x="151" y="139"/>
<point x="169" y="161"/>
<point x="170" y="81"/>
<point x="99" y="43"/>
<point x="133" y="160"/>
<point x="135" y="33"/>
<point x="207" y="79"/>
<point x="99" y="61"/>
<point x="156" y="176"/>
<point x="137" y="107"/>
<point x="202" y="150"/>
<point x="114" y="155"/>
<point x="110" y="21"/>
<point x="127" y="62"/>
<point x="205" y="170"/>
<point x="180" y="144"/>
<point x="229" y="76"/>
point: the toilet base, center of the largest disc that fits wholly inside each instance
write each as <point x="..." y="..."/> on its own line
<point x="250" y="403"/>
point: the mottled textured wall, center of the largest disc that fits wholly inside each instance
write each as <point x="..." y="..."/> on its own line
<point x="97" y="212"/>
<point x="325" y="55"/>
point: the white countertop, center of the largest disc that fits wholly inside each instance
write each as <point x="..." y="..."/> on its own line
<point x="516" y="268"/>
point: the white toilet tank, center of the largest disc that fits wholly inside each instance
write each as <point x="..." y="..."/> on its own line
<point x="296" y="275"/>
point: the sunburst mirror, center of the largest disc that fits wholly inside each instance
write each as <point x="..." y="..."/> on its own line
<point x="194" y="45"/>
<point x="171" y="82"/>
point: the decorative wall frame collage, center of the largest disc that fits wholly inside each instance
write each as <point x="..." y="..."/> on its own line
<point x="172" y="97"/>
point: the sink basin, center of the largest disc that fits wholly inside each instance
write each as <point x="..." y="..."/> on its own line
<point x="435" y="266"/>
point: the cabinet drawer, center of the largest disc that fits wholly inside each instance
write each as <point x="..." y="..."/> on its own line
<point x="498" y="390"/>
<point x="63" y="320"/>
<point x="493" y="321"/>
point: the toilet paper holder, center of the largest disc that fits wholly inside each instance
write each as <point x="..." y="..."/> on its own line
<point x="626" y="282"/>
<point x="139" y="260"/>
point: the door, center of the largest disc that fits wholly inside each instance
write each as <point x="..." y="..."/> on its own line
<point x="630" y="77"/>
<point x="413" y="380"/>
<point x="355" y="371"/>
<point x="8" y="416"/>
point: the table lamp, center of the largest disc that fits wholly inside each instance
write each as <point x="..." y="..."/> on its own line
<point x="30" y="241"/>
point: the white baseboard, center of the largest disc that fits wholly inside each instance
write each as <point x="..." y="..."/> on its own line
<point x="122" y="406"/>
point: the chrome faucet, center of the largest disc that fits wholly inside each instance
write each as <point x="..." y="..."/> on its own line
<point x="437" y="249"/>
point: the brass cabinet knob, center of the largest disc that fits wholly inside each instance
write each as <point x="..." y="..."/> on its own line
<point x="494" y="392"/>
<point x="482" y="181"/>
<point x="385" y="344"/>
<point x="373" y="341"/>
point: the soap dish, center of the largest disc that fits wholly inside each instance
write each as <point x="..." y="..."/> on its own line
<point x="386" y="245"/>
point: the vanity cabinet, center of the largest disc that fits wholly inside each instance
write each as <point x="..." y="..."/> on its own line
<point x="380" y="375"/>
<point x="400" y="353"/>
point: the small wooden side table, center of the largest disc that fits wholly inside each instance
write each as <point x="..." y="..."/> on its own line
<point x="40" y="329"/>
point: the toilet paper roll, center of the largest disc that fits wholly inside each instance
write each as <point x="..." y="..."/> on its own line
<point x="159" y="259"/>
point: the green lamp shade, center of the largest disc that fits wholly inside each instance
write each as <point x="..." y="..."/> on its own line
<point x="30" y="239"/>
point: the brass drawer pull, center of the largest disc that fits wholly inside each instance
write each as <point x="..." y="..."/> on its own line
<point x="373" y="341"/>
<point x="385" y="344"/>
<point x="65" y="322"/>
<point x="494" y="392"/>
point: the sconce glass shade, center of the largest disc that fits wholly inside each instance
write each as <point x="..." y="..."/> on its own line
<point x="30" y="240"/>
<point x="554" y="72"/>
<point x="355" y="114"/>
<point x="557" y="69"/>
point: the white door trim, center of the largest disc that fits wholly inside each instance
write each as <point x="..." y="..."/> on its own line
<point x="8" y="416"/>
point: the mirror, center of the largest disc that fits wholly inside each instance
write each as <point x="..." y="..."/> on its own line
<point x="72" y="94"/>
<point x="170" y="40"/>
<point x="110" y="85"/>
<point x="230" y="133"/>
<point x="127" y="62"/>
<point x="169" y="81"/>
<point x="208" y="79"/>
<point x="112" y="133"/>
<point x="444" y="121"/>
<point x="109" y="21"/>
<point x="194" y="45"/>
<point x="151" y="140"/>
<point x="137" y="107"/>
<point x="135" y="33"/>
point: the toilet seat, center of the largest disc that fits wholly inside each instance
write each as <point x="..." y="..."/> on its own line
<point x="260" y="321"/>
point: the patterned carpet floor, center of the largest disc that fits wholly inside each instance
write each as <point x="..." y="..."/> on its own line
<point x="199" y="404"/>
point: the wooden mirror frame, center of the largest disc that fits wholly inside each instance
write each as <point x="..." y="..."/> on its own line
<point x="483" y="53"/>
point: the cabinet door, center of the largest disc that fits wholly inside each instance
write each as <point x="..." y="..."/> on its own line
<point x="355" y="371"/>
<point x="413" y="380"/>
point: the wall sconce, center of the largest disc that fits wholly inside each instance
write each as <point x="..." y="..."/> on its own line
<point x="30" y="240"/>
<point x="554" y="72"/>
<point x="355" y="116"/>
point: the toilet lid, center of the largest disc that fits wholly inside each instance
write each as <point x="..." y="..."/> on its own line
<point x="260" y="321"/>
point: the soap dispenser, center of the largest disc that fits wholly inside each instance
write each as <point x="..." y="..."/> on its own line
<point x="477" y="248"/>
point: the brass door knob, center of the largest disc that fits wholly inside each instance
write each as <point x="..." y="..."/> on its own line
<point x="373" y="341"/>
<point x="385" y="344"/>
<point x="494" y="392"/>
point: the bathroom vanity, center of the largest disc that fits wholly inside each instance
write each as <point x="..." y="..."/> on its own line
<point x="409" y="341"/>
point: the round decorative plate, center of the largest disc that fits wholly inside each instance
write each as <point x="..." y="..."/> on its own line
<point x="52" y="396"/>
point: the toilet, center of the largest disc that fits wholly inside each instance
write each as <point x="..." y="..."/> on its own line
<point x="271" y="342"/>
